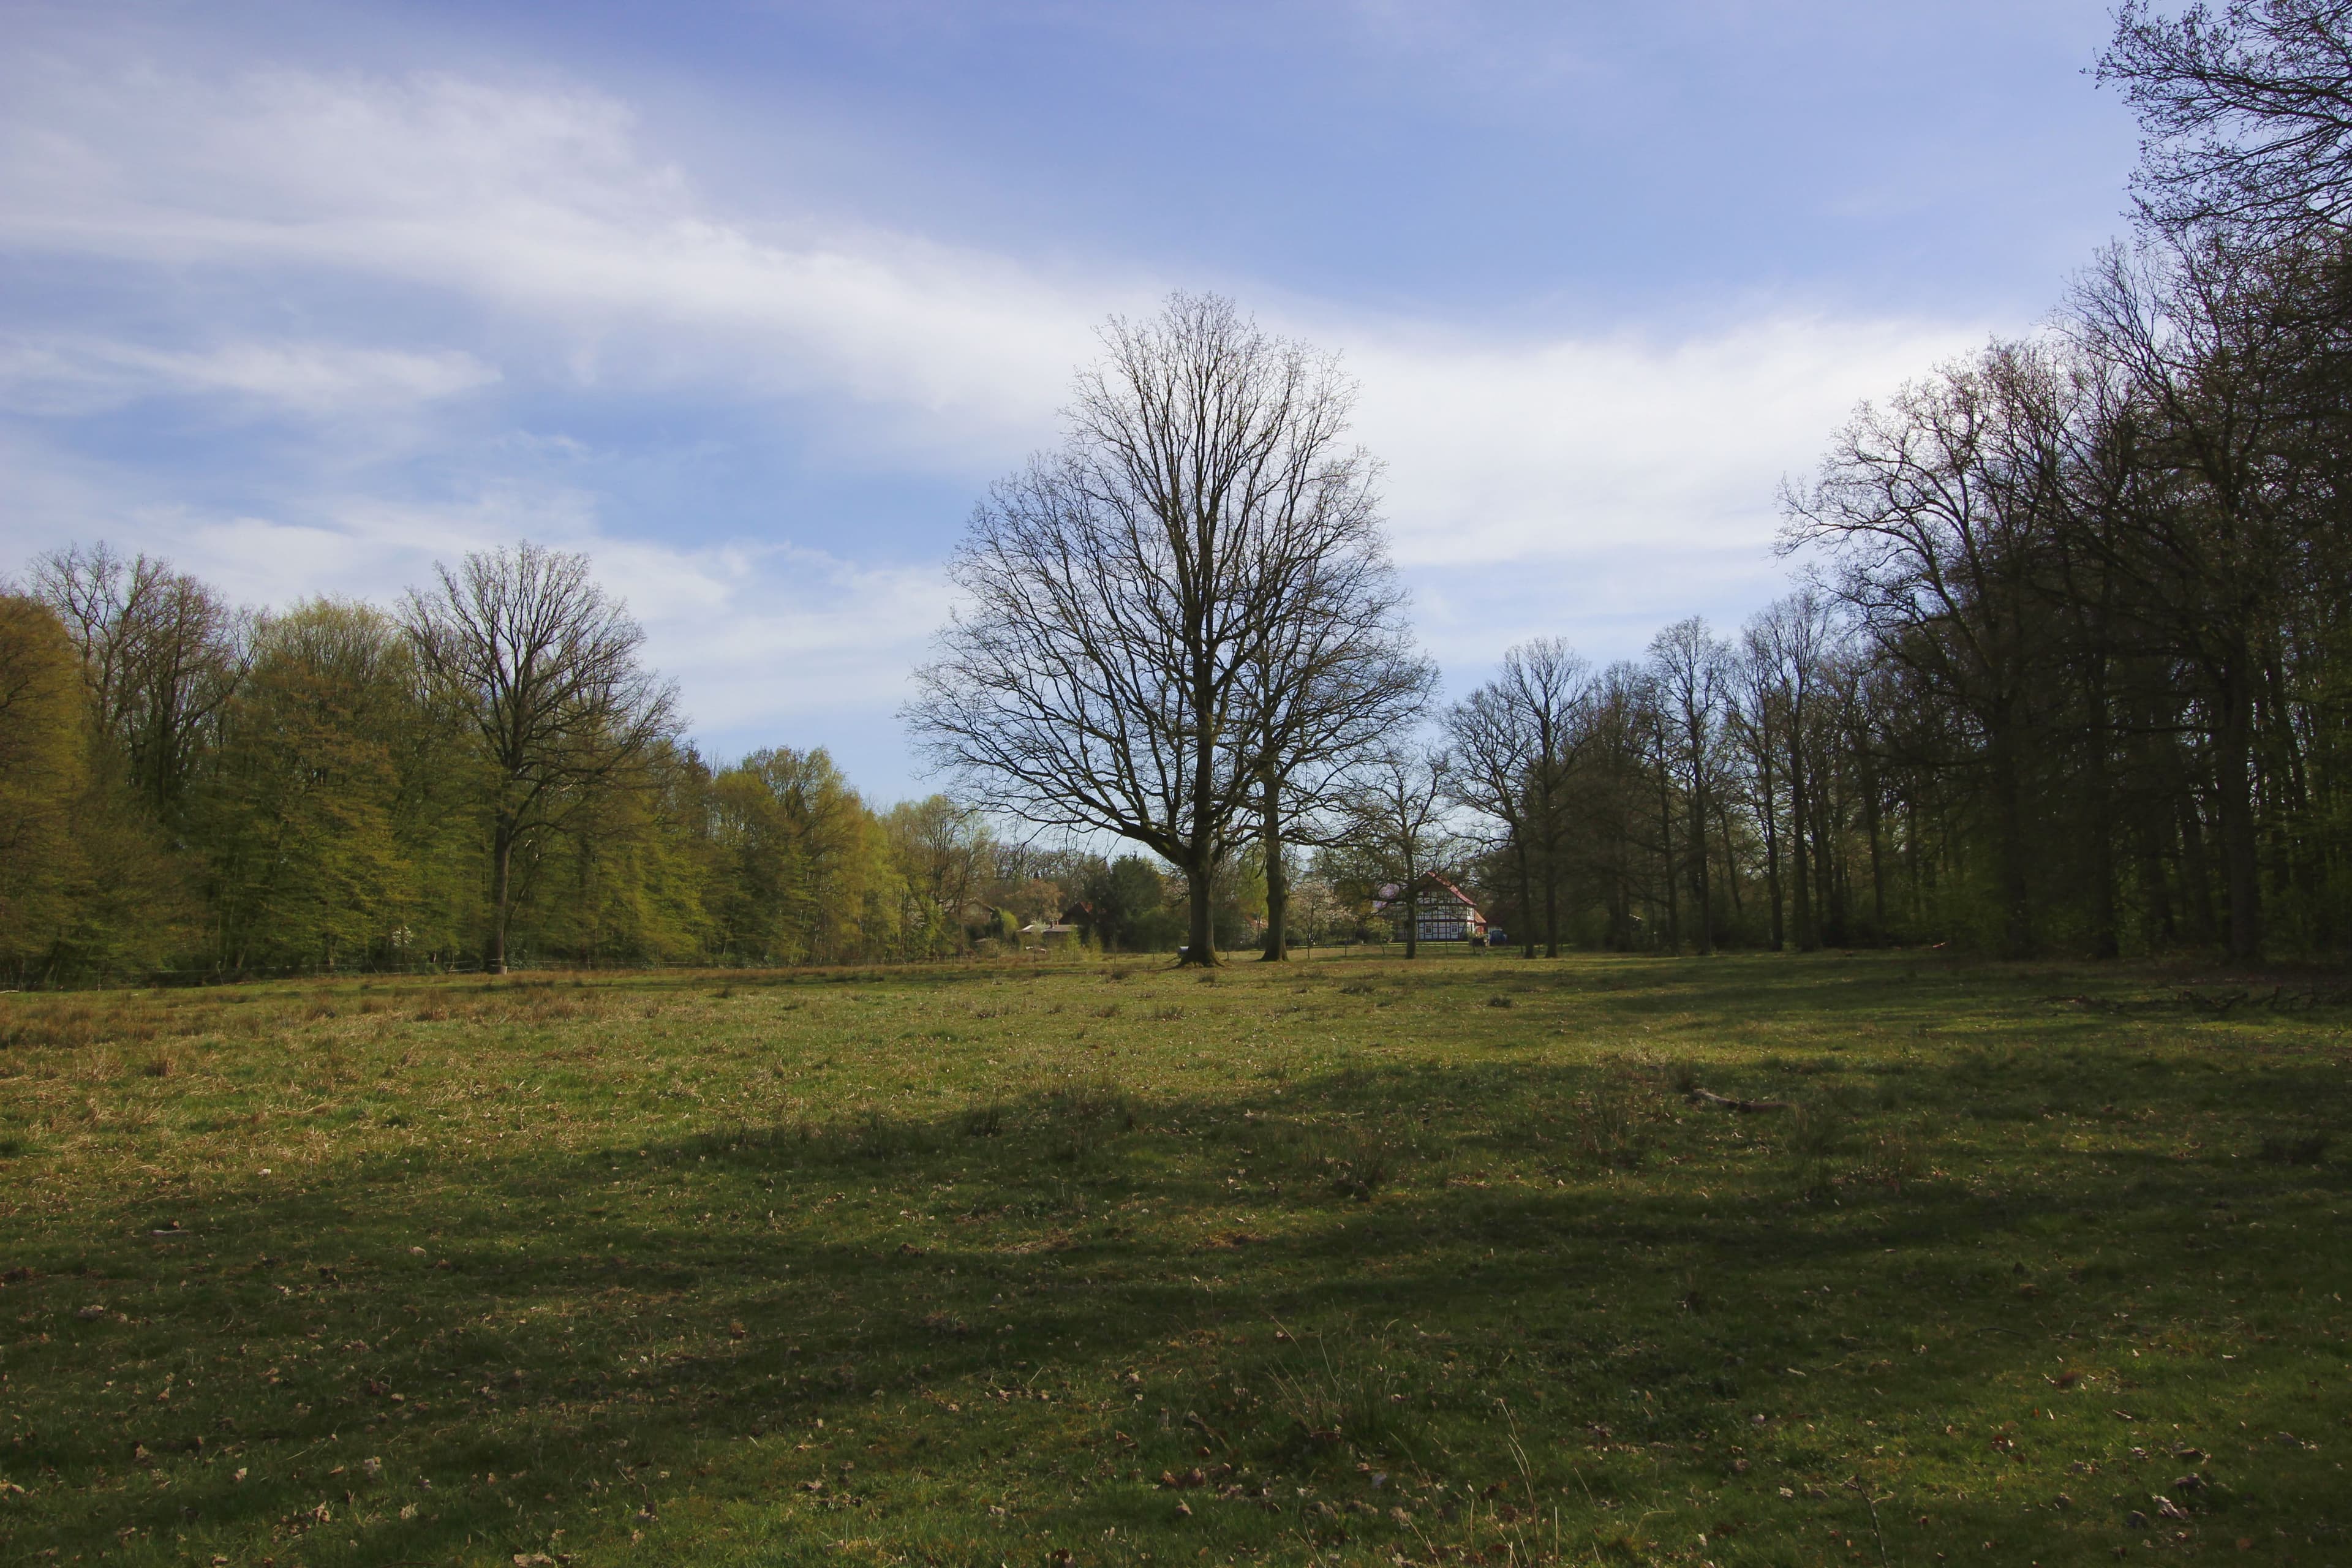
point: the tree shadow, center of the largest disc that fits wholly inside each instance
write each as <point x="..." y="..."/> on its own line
<point x="590" y="1320"/>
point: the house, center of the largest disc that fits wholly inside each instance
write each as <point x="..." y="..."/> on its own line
<point x="1038" y="933"/>
<point x="1443" y="912"/>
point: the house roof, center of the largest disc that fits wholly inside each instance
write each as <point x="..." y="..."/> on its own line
<point x="1390" y="893"/>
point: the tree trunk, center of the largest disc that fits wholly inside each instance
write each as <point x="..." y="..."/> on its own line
<point x="2234" y="803"/>
<point x="1413" y="917"/>
<point x="1200" y="898"/>
<point x="1277" y="880"/>
<point x="1666" y="848"/>
<point x="2105" y="938"/>
<point x="1550" y="866"/>
<point x="1620" y="895"/>
<point x="501" y="887"/>
<point x="2009" y="807"/>
<point x="1699" y="882"/>
<point x="1870" y="823"/>
<point x="2153" y="834"/>
<point x="1829" y="867"/>
<point x="1551" y="907"/>
<point x="1526" y="894"/>
<point x="1911" y="859"/>
<point x="1201" y="874"/>
<point x="2196" y="869"/>
<point x="1799" y="850"/>
<point x="1730" y="861"/>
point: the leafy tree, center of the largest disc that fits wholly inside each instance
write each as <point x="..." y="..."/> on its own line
<point x="808" y="873"/>
<point x="298" y="803"/>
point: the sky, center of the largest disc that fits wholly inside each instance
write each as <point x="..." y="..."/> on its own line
<point x="750" y="300"/>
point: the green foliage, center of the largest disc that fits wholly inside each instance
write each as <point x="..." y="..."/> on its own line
<point x="44" y="772"/>
<point x="184" y="787"/>
<point x="808" y="876"/>
<point x="1135" y="909"/>
<point x="298" y="803"/>
<point x="86" y="884"/>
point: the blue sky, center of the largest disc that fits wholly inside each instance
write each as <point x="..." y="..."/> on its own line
<point x="751" y="300"/>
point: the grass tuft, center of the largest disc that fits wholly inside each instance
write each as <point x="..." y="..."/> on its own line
<point x="1355" y="1164"/>
<point x="1341" y="1398"/>
<point x="1605" y="1128"/>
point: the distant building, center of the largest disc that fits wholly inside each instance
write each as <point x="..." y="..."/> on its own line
<point x="1037" y="933"/>
<point x="1445" y="913"/>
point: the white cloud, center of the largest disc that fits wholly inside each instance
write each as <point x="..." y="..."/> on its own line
<point x="1572" y="450"/>
<point x="536" y="203"/>
<point x="66" y="376"/>
<point x="1605" y="479"/>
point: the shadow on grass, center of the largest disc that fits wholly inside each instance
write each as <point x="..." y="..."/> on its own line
<point x="1312" y="1280"/>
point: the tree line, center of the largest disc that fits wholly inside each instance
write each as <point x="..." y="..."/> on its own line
<point x="485" y="774"/>
<point x="2066" y="669"/>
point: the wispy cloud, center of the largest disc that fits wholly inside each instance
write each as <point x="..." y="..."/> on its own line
<point x="509" y="235"/>
<point x="67" y="375"/>
<point x="538" y="204"/>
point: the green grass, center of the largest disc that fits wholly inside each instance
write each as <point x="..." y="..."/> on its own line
<point x="1345" y="1262"/>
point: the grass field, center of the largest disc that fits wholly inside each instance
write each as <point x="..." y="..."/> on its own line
<point x="1354" y="1261"/>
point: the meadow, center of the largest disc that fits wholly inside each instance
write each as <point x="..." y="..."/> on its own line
<point x="1350" y="1261"/>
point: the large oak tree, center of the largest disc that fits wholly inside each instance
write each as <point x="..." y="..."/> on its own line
<point x="1178" y="609"/>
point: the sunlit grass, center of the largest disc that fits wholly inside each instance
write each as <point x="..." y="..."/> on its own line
<point x="1341" y="1263"/>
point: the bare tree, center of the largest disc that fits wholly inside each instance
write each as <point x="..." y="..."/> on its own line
<point x="1756" y="715"/>
<point x="2209" y="339"/>
<point x="1787" y="642"/>
<point x="161" y="654"/>
<point x="1335" y="677"/>
<point x="1687" y="667"/>
<point x="1517" y="739"/>
<point x="1396" y="826"/>
<point x="2247" y="113"/>
<point x="1932" y="507"/>
<point x="546" y="664"/>
<point x="1494" y="756"/>
<point x="1605" y="795"/>
<point x="1128" y="596"/>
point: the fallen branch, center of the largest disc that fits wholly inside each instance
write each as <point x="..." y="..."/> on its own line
<point x="1723" y="1102"/>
